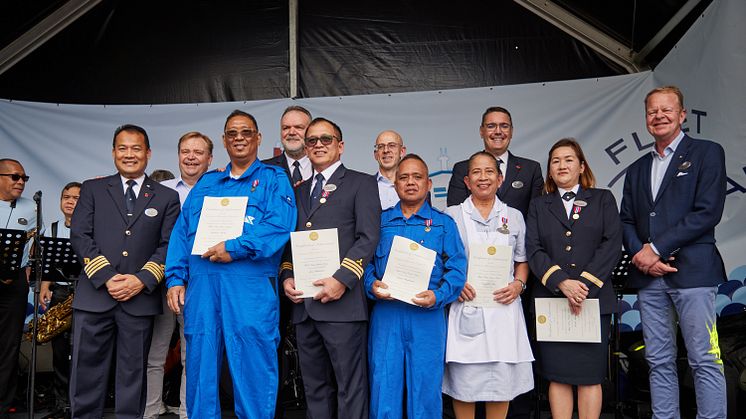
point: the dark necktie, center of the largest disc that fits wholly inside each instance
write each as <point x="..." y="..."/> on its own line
<point x="500" y="170"/>
<point x="568" y="196"/>
<point x="297" y="176"/>
<point x="129" y="197"/>
<point x="317" y="189"/>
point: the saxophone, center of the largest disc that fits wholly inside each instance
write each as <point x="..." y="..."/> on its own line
<point x="54" y="321"/>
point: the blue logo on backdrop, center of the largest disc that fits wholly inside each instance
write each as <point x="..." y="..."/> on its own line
<point x="616" y="151"/>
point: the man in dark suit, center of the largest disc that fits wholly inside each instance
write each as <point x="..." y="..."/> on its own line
<point x="293" y="159"/>
<point x="523" y="179"/>
<point x="120" y="230"/>
<point x="673" y="198"/>
<point x="331" y="326"/>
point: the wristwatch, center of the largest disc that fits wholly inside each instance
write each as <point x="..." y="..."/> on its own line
<point x="523" y="284"/>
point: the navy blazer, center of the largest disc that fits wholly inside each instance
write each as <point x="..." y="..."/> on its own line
<point x="108" y="242"/>
<point x="681" y="220"/>
<point x="586" y="249"/>
<point x="354" y="210"/>
<point x="522" y="183"/>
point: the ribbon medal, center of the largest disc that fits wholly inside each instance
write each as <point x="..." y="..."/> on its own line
<point x="323" y="196"/>
<point x="254" y="184"/>
<point x="576" y="211"/>
<point x="428" y="223"/>
<point x="504" y="228"/>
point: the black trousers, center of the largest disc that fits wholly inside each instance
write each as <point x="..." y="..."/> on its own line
<point x="100" y="339"/>
<point x="334" y="366"/>
<point x="13" y="302"/>
<point x="60" y="353"/>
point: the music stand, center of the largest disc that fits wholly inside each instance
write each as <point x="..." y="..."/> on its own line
<point x="12" y="245"/>
<point x="59" y="263"/>
<point x="619" y="276"/>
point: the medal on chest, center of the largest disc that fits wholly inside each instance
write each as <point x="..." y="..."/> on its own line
<point x="576" y="211"/>
<point x="324" y="195"/>
<point x="254" y="184"/>
<point x="428" y="223"/>
<point x="504" y="229"/>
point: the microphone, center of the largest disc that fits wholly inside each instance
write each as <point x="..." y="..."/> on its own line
<point x="37" y="196"/>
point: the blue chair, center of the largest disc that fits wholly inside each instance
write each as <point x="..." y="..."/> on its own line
<point x="631" y="318"/>
<point x="720" y="302"/>
<point x="727" y="287"/>
<point x="739" y="295"/>
<point x="738" y="274"/>
<point x="623" y="306"/>
<point x="733" y="308"/>
<point x="630" y="299"/>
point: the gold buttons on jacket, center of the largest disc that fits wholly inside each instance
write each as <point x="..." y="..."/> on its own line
<point x="568" y="233"/>
<point x="125" y="253"/>
<point x="308" y="224"/>
<point x="568" y="248"/>
<point x="127" y="232"/>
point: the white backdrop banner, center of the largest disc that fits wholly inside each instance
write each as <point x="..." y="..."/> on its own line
<point x="58" y="143"/>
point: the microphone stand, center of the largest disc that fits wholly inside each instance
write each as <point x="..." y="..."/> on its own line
<point x="37" y="290"/>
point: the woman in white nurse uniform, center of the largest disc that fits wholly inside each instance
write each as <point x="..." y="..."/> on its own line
<point x="488" y="355"/>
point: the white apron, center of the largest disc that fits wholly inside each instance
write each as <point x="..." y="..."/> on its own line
<point x="489" y="334"/>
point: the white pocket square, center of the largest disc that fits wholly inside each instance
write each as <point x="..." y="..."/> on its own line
<point x="680" y="174"/>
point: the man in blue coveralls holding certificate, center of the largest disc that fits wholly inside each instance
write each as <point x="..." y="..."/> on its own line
<point x="407" y="340"/>
<point x="231" y="302"/>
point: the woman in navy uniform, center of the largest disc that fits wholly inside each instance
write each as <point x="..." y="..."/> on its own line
<point x="573" y="241"/>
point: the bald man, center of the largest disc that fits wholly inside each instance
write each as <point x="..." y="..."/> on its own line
<point x="388" y="152"/>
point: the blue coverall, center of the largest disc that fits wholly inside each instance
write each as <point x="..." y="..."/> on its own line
<point x="234" y="306"/>
<point x="406" y="343"/>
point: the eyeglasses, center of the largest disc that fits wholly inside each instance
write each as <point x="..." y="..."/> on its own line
<point x="245" y="133"/>
<point x="15" y="177"/>
<point x="325" y="140"/>
<point x="503" y="126"/>
<point x="390" y="146"/>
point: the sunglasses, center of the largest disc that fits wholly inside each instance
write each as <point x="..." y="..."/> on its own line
<point x="246" y="133"/>
<point x="15" y="177"/>
<point x="325" y="140"/>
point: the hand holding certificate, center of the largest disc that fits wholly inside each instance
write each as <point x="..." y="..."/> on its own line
<point x="489" y="270"/>
<point x="408" y="269"/>
<point x="221" y="219"/>
<point x="315" y="256"/>
<point x="555" y="322"/>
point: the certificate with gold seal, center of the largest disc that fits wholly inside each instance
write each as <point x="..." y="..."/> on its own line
<point x="315" y="256"/>
<point x="408" y="269"/>
<point x="221" y="219"/>
<point x="489" y="270"/>
<point x="556" y="323"/>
